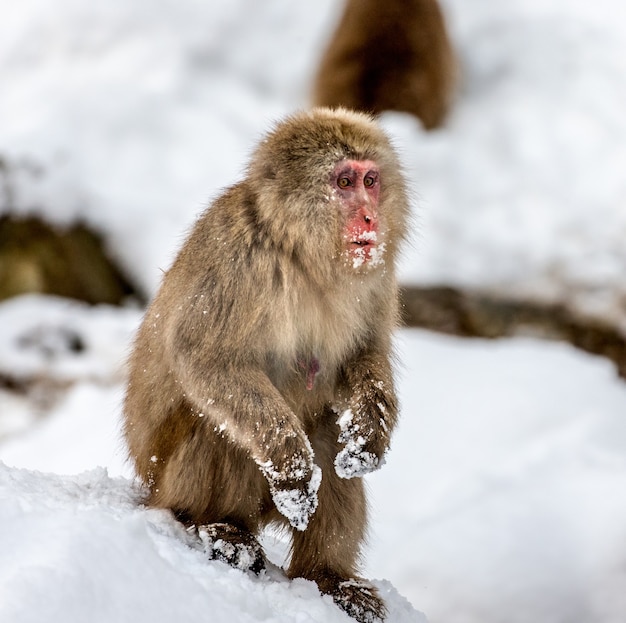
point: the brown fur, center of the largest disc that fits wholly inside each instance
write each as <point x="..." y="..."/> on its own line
<point x="389" y="55"/>
<point x="217" y="388"/>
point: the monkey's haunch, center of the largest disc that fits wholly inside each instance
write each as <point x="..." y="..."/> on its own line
<point x="274" y="320"/>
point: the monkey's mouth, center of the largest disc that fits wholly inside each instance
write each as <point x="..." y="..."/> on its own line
<point x="364" y="239"/>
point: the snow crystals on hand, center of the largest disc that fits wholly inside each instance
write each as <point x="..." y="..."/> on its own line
<point x="298" y="505"/>
<point x="353" y="460"/>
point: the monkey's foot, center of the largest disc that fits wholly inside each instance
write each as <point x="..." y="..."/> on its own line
<point x="357" y="597"/>
<point x="232" y="545"/>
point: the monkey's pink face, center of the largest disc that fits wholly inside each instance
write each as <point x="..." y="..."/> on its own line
<point x="357" y="185"/>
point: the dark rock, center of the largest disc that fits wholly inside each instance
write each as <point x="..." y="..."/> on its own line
<point x="38" y="257"/>
<point x="476" y="314"/>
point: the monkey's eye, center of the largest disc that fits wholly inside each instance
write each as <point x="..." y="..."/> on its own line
<point x="344" y="182"/>
<point x="369" y="181"/>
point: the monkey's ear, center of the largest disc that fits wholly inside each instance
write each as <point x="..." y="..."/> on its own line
<point x="263" y="166"/>
<point x="268" y="171"/>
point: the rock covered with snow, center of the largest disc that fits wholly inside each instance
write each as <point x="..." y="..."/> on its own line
<point x="64" y="340"/>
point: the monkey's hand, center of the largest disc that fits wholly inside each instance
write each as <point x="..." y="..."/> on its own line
<point x="294" y="486"/>
<point x="365" y="444"/>
<point x="356" y="458"/>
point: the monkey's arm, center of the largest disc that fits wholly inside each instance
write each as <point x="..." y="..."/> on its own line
<point x="368" y="415"/>
<point x="241" y="403"/>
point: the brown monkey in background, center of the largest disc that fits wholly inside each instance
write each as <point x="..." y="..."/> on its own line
<point x="261" y="385"/>
<point x="389" y="55"/>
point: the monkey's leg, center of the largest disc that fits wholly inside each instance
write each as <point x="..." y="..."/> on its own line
<point x="327" y="551"/>
<point x="210" y="483"/>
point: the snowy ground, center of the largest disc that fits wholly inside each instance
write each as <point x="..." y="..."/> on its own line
<point x="503" y="498"/>
<point x="79" y="548"/>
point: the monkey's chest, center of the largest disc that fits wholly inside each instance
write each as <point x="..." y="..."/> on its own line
<point x="313" y="339"/>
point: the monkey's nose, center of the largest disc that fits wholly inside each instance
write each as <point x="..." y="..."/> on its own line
<point x="369" y="217"/>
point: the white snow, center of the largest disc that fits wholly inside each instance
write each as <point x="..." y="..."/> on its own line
<point x="503" y="495"/>
<point x="80" y="548"/>
<point x="502" y="498"/>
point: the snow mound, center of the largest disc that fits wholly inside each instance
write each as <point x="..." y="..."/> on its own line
<point x="86" y="547"/>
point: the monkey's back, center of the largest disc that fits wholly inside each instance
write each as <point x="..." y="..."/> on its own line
<point x="392" y="55"/>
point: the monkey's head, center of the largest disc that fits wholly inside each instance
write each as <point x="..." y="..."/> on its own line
<point x="328" y="185"/>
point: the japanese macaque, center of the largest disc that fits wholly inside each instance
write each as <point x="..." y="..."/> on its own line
<point x="391" y="55"/>
<point x="261" y="385"/>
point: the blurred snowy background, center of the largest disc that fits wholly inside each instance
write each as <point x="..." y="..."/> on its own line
<point x="504" y="496"/>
